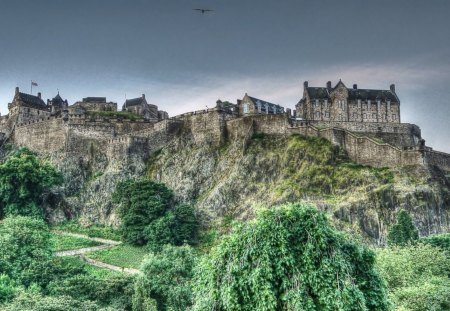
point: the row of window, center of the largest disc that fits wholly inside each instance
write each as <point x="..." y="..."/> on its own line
<point x="341" y="103"/>
<point x="355" y="116"/>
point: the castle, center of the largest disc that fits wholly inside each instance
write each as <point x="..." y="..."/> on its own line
<point x="364" y="122"/>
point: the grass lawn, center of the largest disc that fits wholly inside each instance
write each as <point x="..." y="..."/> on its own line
<point x="126" y="256"/>
<point x="64" y="243"/>
<point x="95" y="231"/>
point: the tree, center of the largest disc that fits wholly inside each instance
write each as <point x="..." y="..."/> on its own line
<point x="165" y="282"/>
<point x="417" y="276"/>
<point x="24" y="179"/>
<point x="404" y="231"/>
<point x="25" y="250"/>
<point x="150" y="216"/>
<point x="289" y="258"/>
<point x="142" y="202"/>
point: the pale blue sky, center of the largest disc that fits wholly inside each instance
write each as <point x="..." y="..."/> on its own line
<point x="183" y="60"/>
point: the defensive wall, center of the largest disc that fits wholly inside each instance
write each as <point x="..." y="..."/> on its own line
<point x="360" y="148"/>
<point x="121" y="138"/>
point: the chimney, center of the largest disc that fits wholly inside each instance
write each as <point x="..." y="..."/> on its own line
<point x="305" y="84"/>
<point x="17" y="90"/>
<point x="355" y="86"/>
<point x="329" y="85"/>
<point x="39" y="94"/>
<point x="143" y="96"/>
<point x="393" y="88"/>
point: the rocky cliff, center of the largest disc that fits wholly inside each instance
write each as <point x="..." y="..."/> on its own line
<point x="233" y="177"/>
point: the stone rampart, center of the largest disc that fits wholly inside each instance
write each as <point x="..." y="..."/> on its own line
<point x="48" y="135"/>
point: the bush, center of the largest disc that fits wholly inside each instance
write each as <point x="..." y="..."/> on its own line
<point x="417" y="277"/>
<point x="438" y="240"/>
<point x="8" y="288"/>
<point x="404" y="231"/>
<point x="25" y="250"/>
<point x="24" y="179"/>
<point x="165" y="283"/>
<point x="289" y="258"/>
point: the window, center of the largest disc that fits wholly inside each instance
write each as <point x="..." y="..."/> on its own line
<point x="326" y="103"/>
<point x="259" y="106"/>
<point x="364" y="116"/>
<point x="267" y="109"/>
<point x="374" y="115"/>
<point x="317" y="114"/>
<point x="316" y="104"/>
<point x="246" y="110"/>
<point x="359" y="103"/>
<point x="355" y="115"/>
<point x="368" y="104"/>
<point x="394" y="117"/>
<point x="327" y="114"/>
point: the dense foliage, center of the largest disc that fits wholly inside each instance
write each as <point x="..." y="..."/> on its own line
<point x="24" y="179"/>
<point x="165" y="283"/>
<point x="150" y="216"/>
<point x="403" y="232"/>
<point x="438" y="240"/>
<point x="417" y="277"/>
<point x="289" y="258"/>
<point x="25" y="250"/>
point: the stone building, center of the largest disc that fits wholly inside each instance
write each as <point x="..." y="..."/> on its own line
<point x="141" y="107"/>
<point x="57" y="104"/>
<point x="340" y="103"/>
<point x="251" y="106"/>
<point x="92" y="104"/>
<point x="27" y="107"/>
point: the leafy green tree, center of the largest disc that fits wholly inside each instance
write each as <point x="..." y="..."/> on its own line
<point x="289" y="258"/>
<point x="25" y="250"/>
<point x="150" y="216"/>
<point x="165" y="283"/>
<point x="417" y="277"/>
<point x="141" y="201"/>
<point x="404" y="231"/>
<point x="24" y="179"/>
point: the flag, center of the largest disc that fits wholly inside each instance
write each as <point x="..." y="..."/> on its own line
<point x="34" y="83"/>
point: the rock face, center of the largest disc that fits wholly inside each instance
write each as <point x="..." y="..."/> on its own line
<point x="228" y="169"/>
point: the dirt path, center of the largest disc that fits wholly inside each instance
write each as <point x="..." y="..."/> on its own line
<point x="81" y="251"/>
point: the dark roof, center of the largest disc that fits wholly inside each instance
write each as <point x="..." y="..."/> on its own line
<point x="134" y="102"/>
<point x="353" y="94"/>
<point x="272" y="107"/>
<point x="57" y="99"/>
<point x="94" y="99"/>
<point x="31" y="100"/>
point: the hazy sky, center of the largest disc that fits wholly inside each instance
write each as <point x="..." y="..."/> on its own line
<point x="183" y="60"/>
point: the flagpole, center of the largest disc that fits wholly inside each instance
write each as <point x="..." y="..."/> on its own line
<point x="31" y="92"/>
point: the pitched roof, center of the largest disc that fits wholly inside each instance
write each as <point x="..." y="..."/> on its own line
<point x="134" y="102"/>
<point x="364" y="94"/>
<point x="272" y="107"/>
<point x="31" y="100"/>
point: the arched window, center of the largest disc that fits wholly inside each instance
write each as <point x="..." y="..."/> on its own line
<point x="246" y="110"/>
<point x="317" y="115"/>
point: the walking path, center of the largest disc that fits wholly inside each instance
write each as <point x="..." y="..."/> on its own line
<point x="81" y="251"/>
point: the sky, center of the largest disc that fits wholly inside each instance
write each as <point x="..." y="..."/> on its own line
<point x="184" y="60"/>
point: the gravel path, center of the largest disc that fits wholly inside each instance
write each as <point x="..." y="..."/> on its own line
<point x="81" y="251"/>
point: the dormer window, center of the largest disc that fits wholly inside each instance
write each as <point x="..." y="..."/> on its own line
<point x="259" y="106"/>
<point x="316" y="103"/>
<point x="368" y="104"/>
<point x="267" y="109"/>
<point x="359" y="103"/>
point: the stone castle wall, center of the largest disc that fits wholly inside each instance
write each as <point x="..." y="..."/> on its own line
<point x="437" y="158"/>
<point x="47" y="136"/>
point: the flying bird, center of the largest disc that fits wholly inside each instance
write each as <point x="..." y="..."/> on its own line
<point x="203" y="10"/>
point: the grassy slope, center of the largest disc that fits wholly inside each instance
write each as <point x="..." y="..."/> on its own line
<point x="126" y="256"/>
<point x="97" y="231"/>
<point x="63" y="243"/>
